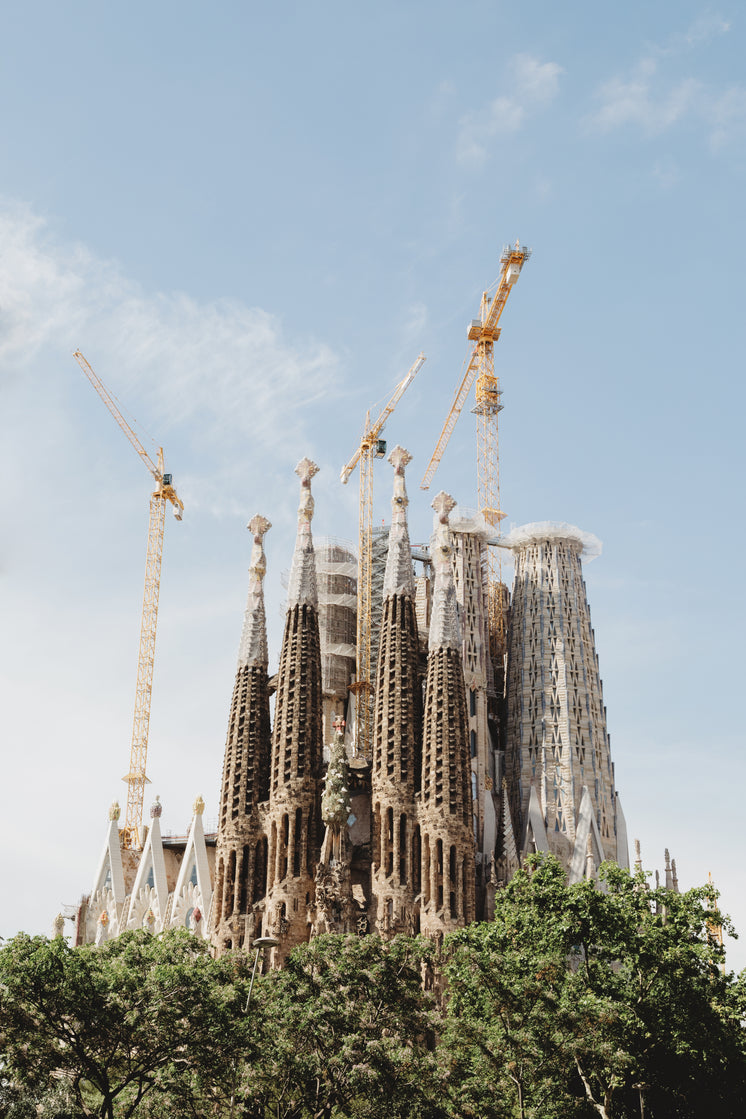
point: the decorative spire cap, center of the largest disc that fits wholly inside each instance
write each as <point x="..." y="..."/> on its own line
<point x="156" y="808"/>
<point x="253" y="647"/>
<point x="302" y="584"/>
<point x="445" y="627"/>
<point x="199" y="806"/>
<point x="399" y="577"/>
<point x="114" y="810"/>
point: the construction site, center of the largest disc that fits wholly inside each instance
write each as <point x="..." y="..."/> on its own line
<point x="426" y="728"/>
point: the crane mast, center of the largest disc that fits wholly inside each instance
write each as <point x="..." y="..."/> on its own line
<point x="484" y="332"/>
<point x="163" y="493"/>
<point x="371" y="446"/>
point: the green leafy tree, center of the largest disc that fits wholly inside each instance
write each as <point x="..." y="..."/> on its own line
<point x="583" y="1000"/>
<point x="138" y="1021"/>
<point x="349" y="1033"/>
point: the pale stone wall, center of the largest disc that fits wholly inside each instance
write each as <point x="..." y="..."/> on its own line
<point x="557" y="737"/>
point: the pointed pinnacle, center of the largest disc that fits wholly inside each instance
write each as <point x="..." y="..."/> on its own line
<point x="258" y="526"/>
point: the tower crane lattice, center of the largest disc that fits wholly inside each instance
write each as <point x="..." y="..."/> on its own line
<point x="164" y="492"/>
<point x="371" y="446"/>
<point x="484" y="332"/>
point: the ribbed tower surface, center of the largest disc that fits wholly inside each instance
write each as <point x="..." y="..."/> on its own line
<point x="557" y="741"/>
<point x="294" y="801"/>
<point x="397" y="736"/>
<point x="448" y="865"/>
<point x="241" y="858"/>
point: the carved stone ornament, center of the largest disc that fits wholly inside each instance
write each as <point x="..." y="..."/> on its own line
<point x="115" y="810"/>
<point x="445" y="627"/>
<point x="198" y="806"/>
<point x="302" y="589"/>
<point x="253" y="647"/>
<point x="156" y="809"/>
<point x="399" y="576"/>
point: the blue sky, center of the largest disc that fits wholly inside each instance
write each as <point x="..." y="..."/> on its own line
<point x="251" y="219"/>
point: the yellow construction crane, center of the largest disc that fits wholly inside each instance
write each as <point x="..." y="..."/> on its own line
<point x="484" y="332"/>
<point x="371" y="446"/>
<point x="163" y="492"/>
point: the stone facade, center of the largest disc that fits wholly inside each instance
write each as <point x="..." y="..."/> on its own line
<point x="465" y="779"/>
<point x="560" y="774"/>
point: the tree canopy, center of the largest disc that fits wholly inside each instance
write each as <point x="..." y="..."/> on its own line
<point x="607" y="999"/>
<point x="113" y="1026"/>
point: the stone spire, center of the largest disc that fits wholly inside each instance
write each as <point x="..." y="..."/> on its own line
<point x="293" y="821"/>
<point x="253" y="647"/>
<point x="397" y="730"/>
<point x="445" y="628"/>
<point x="241" y="857"/>
<point x="302" y="585"/>
<point x="448" y="864"/>
<point x="556" y="720"/>
<point x="399" y="576"/>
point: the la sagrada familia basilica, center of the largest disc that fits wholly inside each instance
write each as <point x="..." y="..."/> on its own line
<point x="479" y="754"/>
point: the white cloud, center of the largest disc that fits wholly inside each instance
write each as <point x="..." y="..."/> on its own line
<point x="654" y="102"/>
<point x="702" y="30"/>
<point x="643" y="101"/>
<point x="534" y="85"/>
<point x="222" y="367"/>
<point x="415" y="321"/>
<point x="727" y="117"/>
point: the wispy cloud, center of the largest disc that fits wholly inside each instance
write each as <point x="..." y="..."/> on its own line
<point x="727" y="117"/>
<point x="533" y="85"/>
<point x="221" y="365"/>
<point x="643" y="100"/>
<point x="705" y="28"/>
<point x="653" y="100"/>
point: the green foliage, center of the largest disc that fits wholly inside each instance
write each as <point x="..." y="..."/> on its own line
<point x="350" y="1032"/>
<point x="111" y="1026"/>
<point x="605" y="1000"/>
<point x="586" y="1000"/>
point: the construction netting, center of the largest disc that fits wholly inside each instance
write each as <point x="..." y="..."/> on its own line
<point x="336" y="577"/>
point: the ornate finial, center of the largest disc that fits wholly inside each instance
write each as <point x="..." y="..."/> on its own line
<point x="258" y="526"/>
<point x="638" y="855"/>
<point x="156" y="808"/>
<point x="443" y="503"/>
<point x="115" y="810"/>
<point x="674" y="875"/>
<point x="305" y="470"/>
<point x="445" y="627"/>
<point x="399" y="577"/>
<point x="58" y="926"/>
<point x="667" y="857"/>
<point x="253" y="647"/>
<point x="399" y="458"/>
<point x="339" y="728"/>
<point x="198" y="806"/>
<point x="302" y="583"/>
